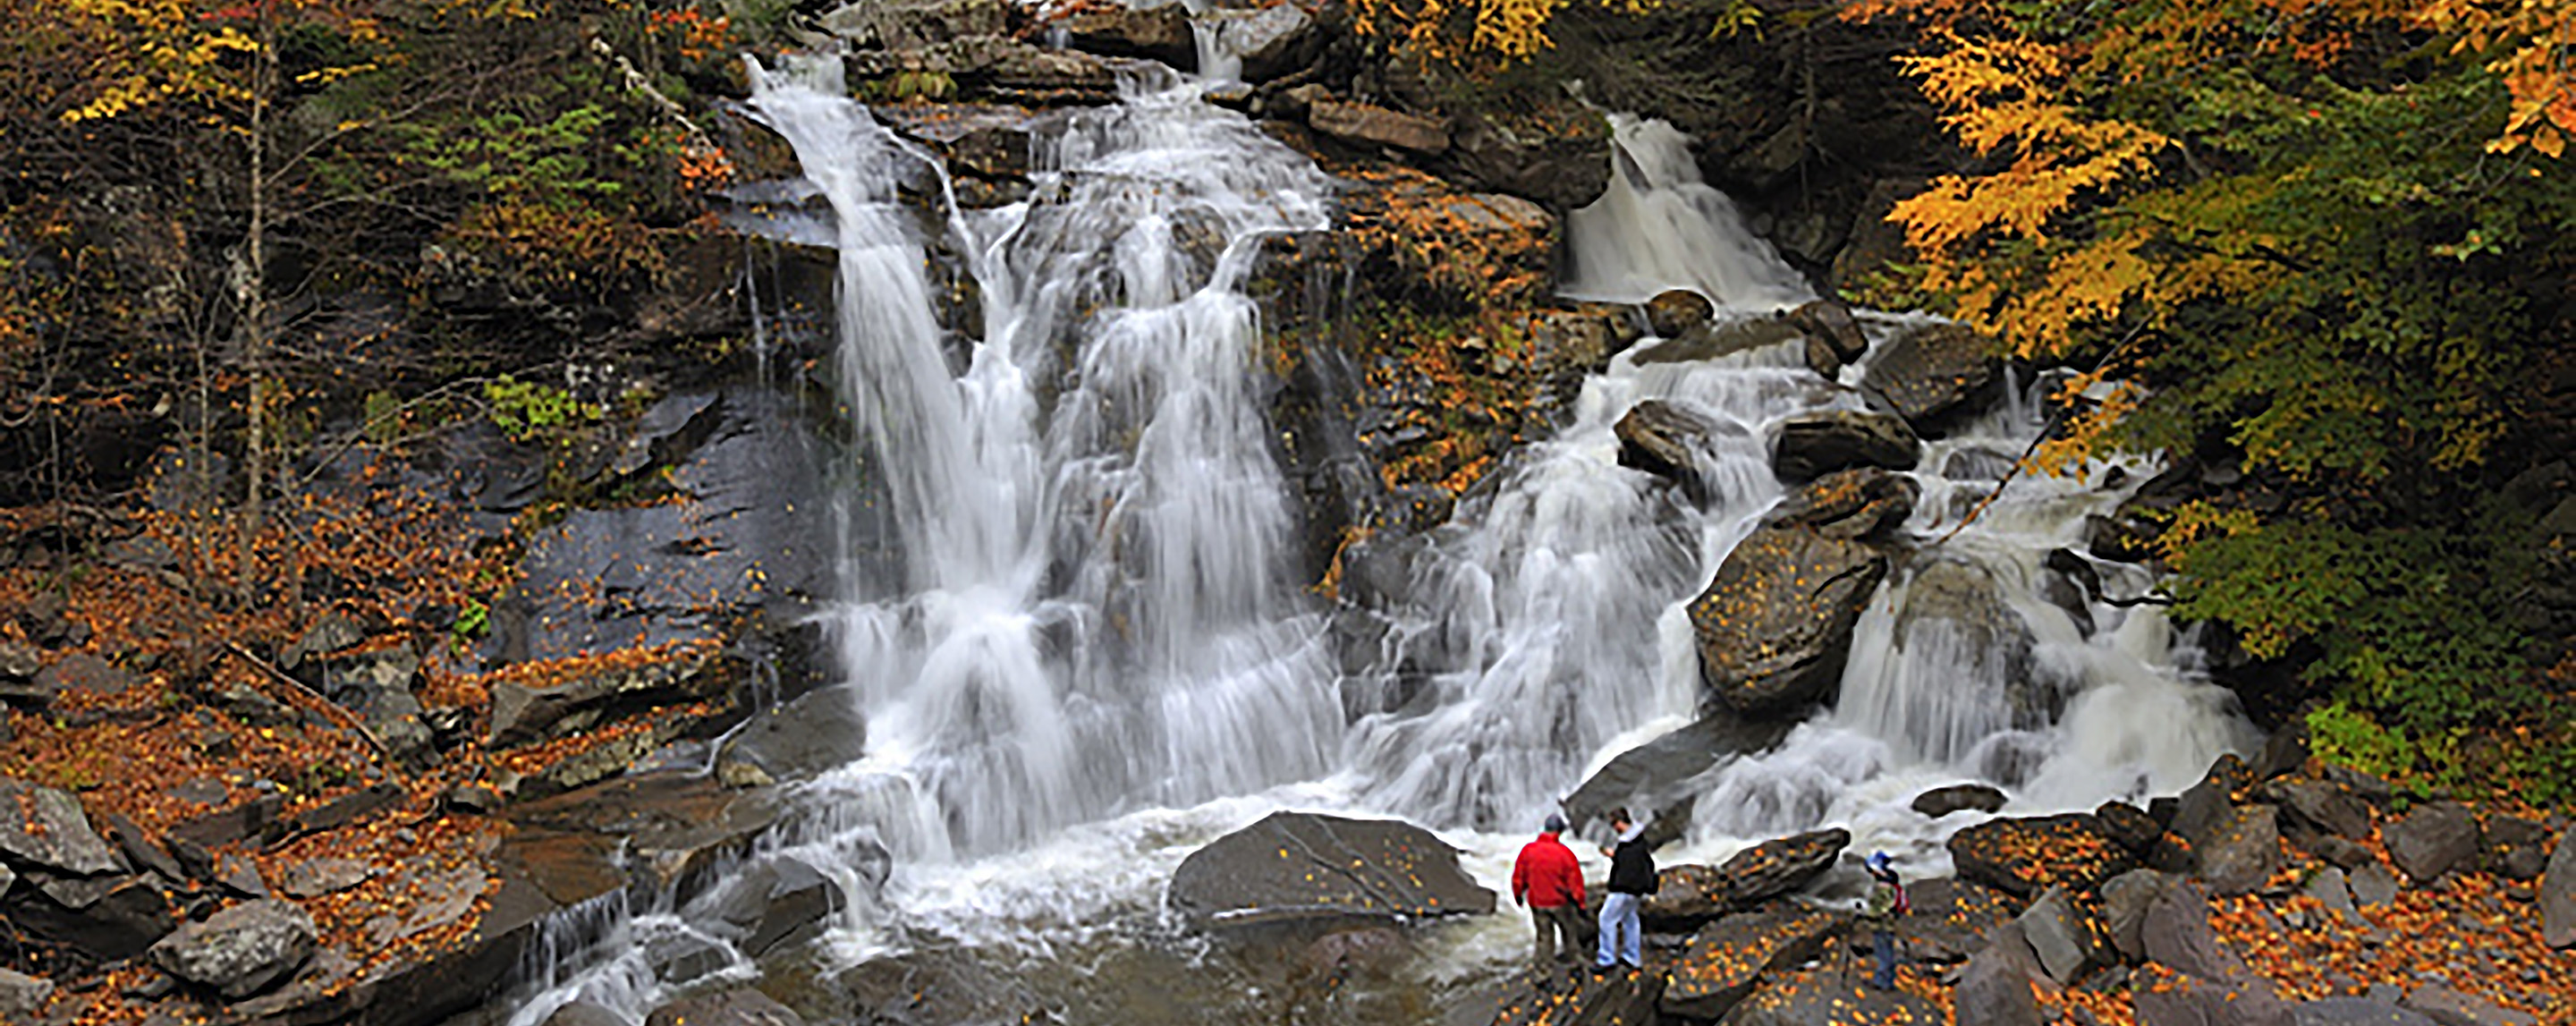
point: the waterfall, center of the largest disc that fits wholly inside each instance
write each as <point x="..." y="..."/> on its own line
<point x="1093" y="616"/>
<point x="1658" y="226"/>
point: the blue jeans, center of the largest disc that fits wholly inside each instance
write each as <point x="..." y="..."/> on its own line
<point x="1885" y="942"/>
<point x="1622" y="938"/>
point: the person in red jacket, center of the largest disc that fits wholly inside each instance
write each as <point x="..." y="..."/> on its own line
<point x="1548" y="880"/>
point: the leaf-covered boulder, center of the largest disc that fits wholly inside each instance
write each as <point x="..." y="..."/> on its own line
<point x="1726" y="961"/>
<point x="1781" y="865"/>
<point x="1933" y="373"/>
<point x="1774" y="625"/>
<point x="2242" y="852"/>
<point x="1853" y="505"/>
<point x="2025" y="856"/>
<point x="1308" y="866"/>
<point x="1828" y="996"/>
<point x="47" y="828"/>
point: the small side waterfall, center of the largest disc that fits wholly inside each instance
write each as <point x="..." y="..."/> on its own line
<point x="1658" y="226"/>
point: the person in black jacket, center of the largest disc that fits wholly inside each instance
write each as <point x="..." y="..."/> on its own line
<point x="1632" y="878"/>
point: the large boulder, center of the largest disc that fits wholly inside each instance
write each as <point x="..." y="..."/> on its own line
<point x="1657" y="775"/>
<point x="1307" y="866"/>
<point x="1812" y="445"/>
<point x="2324" y="805"/>
<point x="2432" y="840"/>
<point x="1935" y="373"/>
<point x="2025" y="856"/>
<point x="912" y="24"/>
<point x="1776" y="867"/>
<point x="1725" y="962"/>
<point x="1564" y="167"/>
<point x="1616" y="999"/>
<point x="241" y="950"/>
<point x="1774" y="626"/>
<point x="1268" y="40"/>
<point x="2125" y="900"/>
<point x="2176" y="934"/>
<point x="1372" y="125"/>
<point x="46" y="828"/>
<point x="2558" y="894"/>
<point x="1831" y="323"/>
<point x="1141" y="28"/>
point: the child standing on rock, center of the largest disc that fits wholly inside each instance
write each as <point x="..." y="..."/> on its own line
<point x="1886" y="902"/>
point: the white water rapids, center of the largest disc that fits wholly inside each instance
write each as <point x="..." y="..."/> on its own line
<point x="1096" y="658"/>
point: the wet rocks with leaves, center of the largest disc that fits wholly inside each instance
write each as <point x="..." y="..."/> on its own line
<point x="241" y="950"/>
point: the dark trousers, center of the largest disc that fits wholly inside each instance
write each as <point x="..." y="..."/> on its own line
<point x="1559" y="933"/>
<point x="1885" y="942"/>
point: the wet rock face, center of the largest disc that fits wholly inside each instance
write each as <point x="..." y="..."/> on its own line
<point x="1304" y="866"/>
<point x="241" y="950"/>
<point x="1942" y="801"/>
<point x="1853" y="505"/>
<point x="1774" y="625"/>
<point x="1663" y="439"/>
<point x="1812" y="445"/>
<point x="803" y="738"/>
<point x="1934" y="374"/>
<point x="1725" y="963"/>
<point x="523" y="713"/>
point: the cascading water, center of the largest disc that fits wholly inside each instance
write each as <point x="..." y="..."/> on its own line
<point x="1090" y="661"/>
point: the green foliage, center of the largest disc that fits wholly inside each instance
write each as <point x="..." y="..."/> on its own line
<point x="526" y="410"/>
<point x="2344" y="737"/>
<point x="514" y="156"/>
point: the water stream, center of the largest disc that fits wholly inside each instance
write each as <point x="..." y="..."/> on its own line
<point x="1093" y="658"/>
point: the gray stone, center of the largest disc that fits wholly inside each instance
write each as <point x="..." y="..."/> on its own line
<point x="2452" y="1008"/>
<point x="241" y="950"/>
<point x="1302" y="866"/>
<point x="2432" y="840"/>
<point x="1271" y="40"/>
<point x="2558" y="894"/>
<point x="1373" y="125"/>
<point x="2331" y="888"/>
<point x="1658" y="775"/>
<point x="2516" y="848"/>
<point x="22" y="996"/>
<point x="2065" y="935"/>
<point x="2328" y="806"/>
<point x="1674" y="312"/>
<point x="139" y="850"/>
<point x="913" y="24"/>
<point x="238" y="874"/>
<point x="107" y="918"/>
<point x="816" y="732"/>
<point x="81" y="671"/>
<point x="2125" y="899"/>
<point x="317" y="877"/>
<point x="731" y="1008"/>
<point x="2354" y="1011"/>
<point x="1832" y="323"/>
<point x="1854" y="505"/>
<point x="1994" y="989"/>
<point x="54" y="833"/>
<point x="1140" y="28"/>
<point x="1942" y="801"/>
<point x="2176" y="934"/>
<point x="2239" y="855"/>
<point x="2373" y="884"/>
<point x="1812" y="445"/>
<point x="20" y="661"/>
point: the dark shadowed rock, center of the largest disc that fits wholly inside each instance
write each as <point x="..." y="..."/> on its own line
<point x="47" y="828"/>
<point x="2067" y="935"/>
<point x="2242" y="853"/>
<point x="1142" y="29"/>
<point x="107" y="918"/>
<point x="1656" y="775"/>
<point x="2168" y="998"/>
<point x="1774" y="625"/>
<point x="522" y="713"/>
<point x="1942" y="801"/>
<point x="1812" y="445"/>
<point x="1674" y="312"/>
<point x="776" y="902"/>
<point x="2128" y="824"/>
<point x="1726" y="961"/>
<point x="1933" y="373"/>
<point x="1829" y="995"/>
<point x="2373" y="883"/>
<point x="1663" y="439"/>
<point x="2432" y="840"/>
<point x="1831" y="323"/>
<point x="1776" y="867"/>
<point x="2026" y="856"/>
<point x="2354" y="1011"/>
<point x="241" y="950"/>
<point x="1994" y="989"/>
<point x="139" y="850"/>
<point x="2516" y="848"/>
<point x="732" y="1008"/>
<point x="1306" y="866"/>
<point x="2558" y="894"/>
<point x="2327" y="806"/>
<point x="2125" y="900"/>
